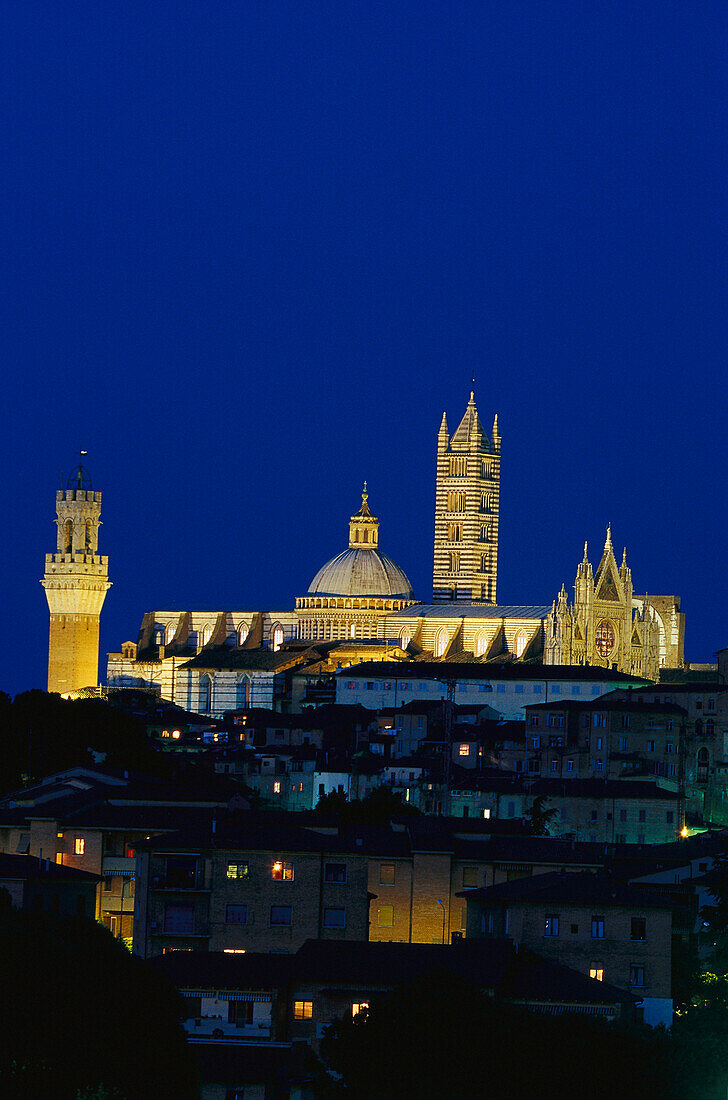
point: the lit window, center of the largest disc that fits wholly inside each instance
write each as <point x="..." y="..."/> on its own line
<point x="238" y="870"/>
<point x="277" y="787"/>
<point x="385" y="916"/>
<point x="597" y="972"/>
<point x="282" y="871"/>
<point x="176" y="735"/>
<point x="464" y="750"/>
<point x="386" y="874"/>
<point x="302" y="1010"/>
<point x="79" y="846"/>
<point x="486" y="811"/>
<point x="359" y="1006"/>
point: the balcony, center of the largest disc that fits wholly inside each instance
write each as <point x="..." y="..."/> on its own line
<point x="214" y="1027"/>
<point x="118" y="865"/>
<point x="180" y="883"/>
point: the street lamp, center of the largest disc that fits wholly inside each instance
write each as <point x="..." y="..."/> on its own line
<point x="442" y="903"/>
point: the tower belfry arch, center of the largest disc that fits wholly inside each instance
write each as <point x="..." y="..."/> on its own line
<point x="467" y="505"/>
<point x="75" y="582"/>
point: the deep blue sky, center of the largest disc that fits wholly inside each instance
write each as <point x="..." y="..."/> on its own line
<point x="252" y="251"/>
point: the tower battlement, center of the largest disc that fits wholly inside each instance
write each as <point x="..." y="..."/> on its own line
<point x="75" y="583"/>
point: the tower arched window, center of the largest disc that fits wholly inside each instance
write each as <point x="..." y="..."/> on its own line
<point x="365" y="537"/>
<point x="485" y="469"/>
<point x="454" y="532"/>
<point x="205" y="694"/>
<point x="68" y="537"/>
<point x="485" y="502"/>
<point x="88" y="546"/>
<point x="440" y="643"/>
<point x="456" y="502"/>
<point x="454" y="563"/>
<point x="484" y="563"/>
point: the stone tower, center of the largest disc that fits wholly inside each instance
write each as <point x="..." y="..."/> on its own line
<point x="76" y="583"/>
<point x="466" y="511"/>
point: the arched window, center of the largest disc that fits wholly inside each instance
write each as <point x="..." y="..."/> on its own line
<point x="169" y="632"/>
<point x="205" y="694"/>
<point x="485" y="502"/>
<point x="703" y="760"/>
<point x="456" y="502"/>
<point x="521" y="642"/>
<point x="87" y="538"/>
<point x="405" y="638"/>
<point x="484" y="563"/>
<point x="454" y="563"/>
<point x="242" y="632"/>
<point x="699" y="727"/>
<point x="352" y="630"/>
<point x="243" y="692"/>
<point x="485" y="469"/>
<point x="485" y="532"/>
<point x="366" y="536"/>
<point x="481" y="643"/>
<point x="277" y="637"/>
<point x="458" y="466"/>
<point x="441" y="643"/>
<point x="709" y="728"/>
<point x="454" y="532"/>
<point x="206" y="633"/>
<point x="68" y="537"/>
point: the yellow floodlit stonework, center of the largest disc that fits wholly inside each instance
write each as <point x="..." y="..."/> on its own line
<point x="76" y="582"/>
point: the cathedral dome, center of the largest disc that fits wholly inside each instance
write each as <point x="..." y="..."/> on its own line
<point x="362" y="570"/>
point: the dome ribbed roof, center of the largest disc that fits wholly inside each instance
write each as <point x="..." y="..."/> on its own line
<point x="363" y="572"/>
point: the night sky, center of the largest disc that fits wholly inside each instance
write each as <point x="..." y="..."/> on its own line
<point x="252" y="250"/>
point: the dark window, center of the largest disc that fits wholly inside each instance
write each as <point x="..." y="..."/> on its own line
<point x="281" y="914"/>
<point x="334" y="918"/>
<point x="181" y="873"/>
<point x="551" y="925"/>
<point x="641" y="815"/>
<point x="386" y="874"/>
<point x="335" y="872"/>
<point x="240" y="1013"/>
<point x="597" y="928"/>
<point x="470" y="876"/>
<point x="636" y="975"/>
<point x="236" y="914"/>
<point x="638" y="929"/>
<point x="575" y="929"/>
<point x="179" y="919"/>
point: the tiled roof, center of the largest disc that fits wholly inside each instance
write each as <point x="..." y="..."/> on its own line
<point x="451" y="609"/>
<point x="568" y="888"/>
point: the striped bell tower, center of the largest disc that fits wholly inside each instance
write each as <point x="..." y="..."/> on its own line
<point x="467" y="500"/>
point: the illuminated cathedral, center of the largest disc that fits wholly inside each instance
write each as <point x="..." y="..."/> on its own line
<point x="360" y="603"/>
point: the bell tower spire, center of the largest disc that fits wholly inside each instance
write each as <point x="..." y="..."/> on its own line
<point x="76" y="583"/>
<point x="467" y="499"/>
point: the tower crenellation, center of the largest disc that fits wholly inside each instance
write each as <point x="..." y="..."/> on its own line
<point x="76" y="583"/>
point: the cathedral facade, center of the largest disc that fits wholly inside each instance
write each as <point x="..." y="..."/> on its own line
<point x="608" y="625"/>
<point x="360" y="604"/>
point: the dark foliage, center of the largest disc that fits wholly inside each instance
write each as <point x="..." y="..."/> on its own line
<point x="439" y="1038"/>
<point x="377" y="808"/>
<point x="77" y="1012"/>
